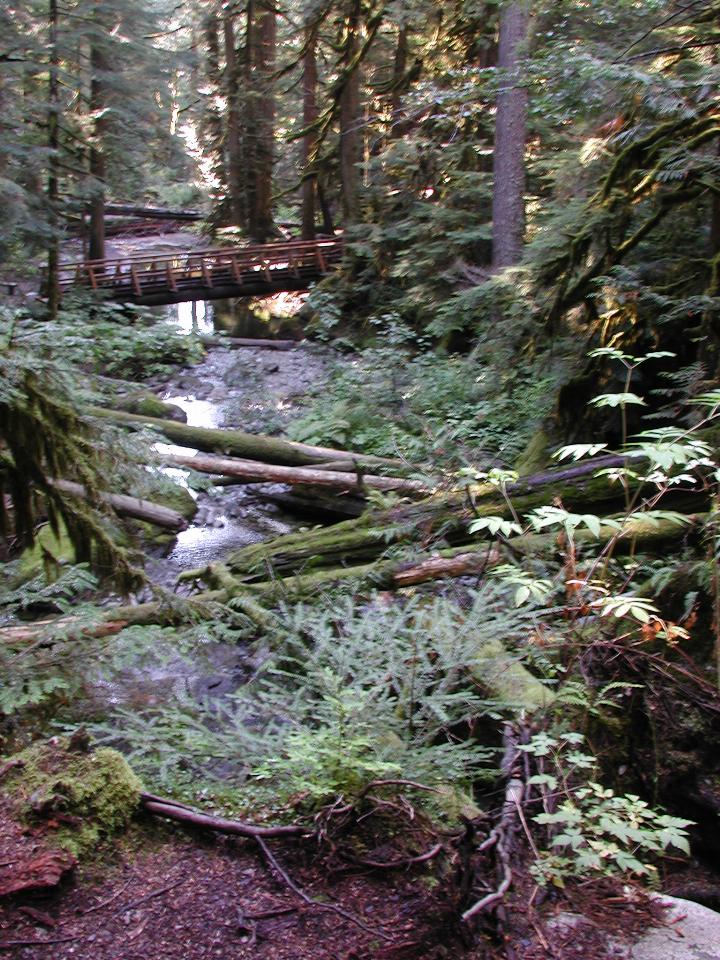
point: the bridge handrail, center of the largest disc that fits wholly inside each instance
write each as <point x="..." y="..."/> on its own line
<point x="250" y="254"/>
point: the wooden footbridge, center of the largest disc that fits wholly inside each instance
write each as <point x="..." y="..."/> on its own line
<point x="260" y="270"/>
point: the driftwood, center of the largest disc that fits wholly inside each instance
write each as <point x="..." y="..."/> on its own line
<point x="126" y="506"/>
<point x="247" y="445"/>
<point x="236" y="343"/>
<point x="253" y="472"/>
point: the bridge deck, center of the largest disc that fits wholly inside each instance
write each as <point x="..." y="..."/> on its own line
<point x="258" y="270"/>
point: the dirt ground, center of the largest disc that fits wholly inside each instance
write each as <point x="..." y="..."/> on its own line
<point x="181" y="896"/>
<point x="166" y="893"/>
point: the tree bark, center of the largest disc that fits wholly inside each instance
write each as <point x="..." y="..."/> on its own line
<point x="53" y="180"/>
<point x="350" y="120"/>
<point x="236" y="182"/>
<point x="508" y="208"/>
<point x="310" y="113"/>
<point x="254" y="472"/>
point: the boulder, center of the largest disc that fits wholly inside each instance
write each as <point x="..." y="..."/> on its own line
<point x="691" y="932"/>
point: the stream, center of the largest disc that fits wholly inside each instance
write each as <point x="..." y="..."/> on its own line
<point x="251" y="389"/>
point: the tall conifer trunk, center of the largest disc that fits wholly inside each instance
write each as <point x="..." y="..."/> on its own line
<point x="309" y="186"/>
<point x="508" y="212"/>
<point x="98" y="66"/>
<point x="53" y="182"/>
<point x="350" y="140"/>
<point x="233" y="153"/>
<point x="263" y="43"/>
<point x="397" y="127"/>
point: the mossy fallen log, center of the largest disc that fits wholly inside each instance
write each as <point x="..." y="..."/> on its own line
<point x="91" y="794"/>
<point x="440" y="520"/>
<point x="126" y="506"/>
<point x="392" y="573"/>
<point x="238" y="443"/>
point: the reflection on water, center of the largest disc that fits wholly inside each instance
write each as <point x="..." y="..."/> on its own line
<point x="255" y="318"/>
<point x="194" y="317"/>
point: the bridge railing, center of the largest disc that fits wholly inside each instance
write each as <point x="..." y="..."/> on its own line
<point x="141" y="274"/>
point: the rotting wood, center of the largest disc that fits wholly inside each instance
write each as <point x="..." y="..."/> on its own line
<point x="253" y="472"/>
<point x="246" y="445"/>
<point x="126" y="506"/>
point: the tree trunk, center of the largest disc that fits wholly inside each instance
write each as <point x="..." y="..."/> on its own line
<point x="212" y="122"/>
<point x="247" y="445"/>
<point x="53" y="182"/>
<point x="350" y="120"/>
<point x="236" y="182"/>
<point x="309" y="185"/>
<point x="397" y="127"/>
<point x="508" y="211"/>
<point x="253" y="472"/>
<point x="263" y="36"/>
<point x="98" y="66"/>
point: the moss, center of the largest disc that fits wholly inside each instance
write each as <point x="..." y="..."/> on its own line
<point x="91" y="794"/>
<point x="33" y="561"/>
<point x="535" y="456"/>
<point x="148" y="405"/>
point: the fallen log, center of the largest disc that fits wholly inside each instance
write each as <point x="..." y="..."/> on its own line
<point x="247" y="445"/>
<point x="125" y="506"/>
<point x="253" y="472"/>
<point x="440" y="520"/>
<point x="445" y="563"/>
<point x="150" y="213"/>
<point x="236" y="343"/>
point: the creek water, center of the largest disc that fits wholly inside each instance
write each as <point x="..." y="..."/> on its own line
<point x="252" y="389"/>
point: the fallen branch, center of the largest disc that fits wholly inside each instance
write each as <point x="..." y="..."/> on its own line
<point x="395" y="864"/>
<point x="319" y="905"/>
<point x="150" y="896"/>
<point x="184" y="814"/>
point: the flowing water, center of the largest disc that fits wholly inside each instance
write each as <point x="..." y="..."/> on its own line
<point x="250" y="389"/>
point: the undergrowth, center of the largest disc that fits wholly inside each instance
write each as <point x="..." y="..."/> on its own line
<point x="425" y="406"/>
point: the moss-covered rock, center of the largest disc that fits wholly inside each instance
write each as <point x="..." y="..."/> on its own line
<point x="148" y="405"/>
<point x="47" y="549"/>
<point x="86" y="794"/>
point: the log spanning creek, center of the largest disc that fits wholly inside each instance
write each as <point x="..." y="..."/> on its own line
<point x="252" y="389"/>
